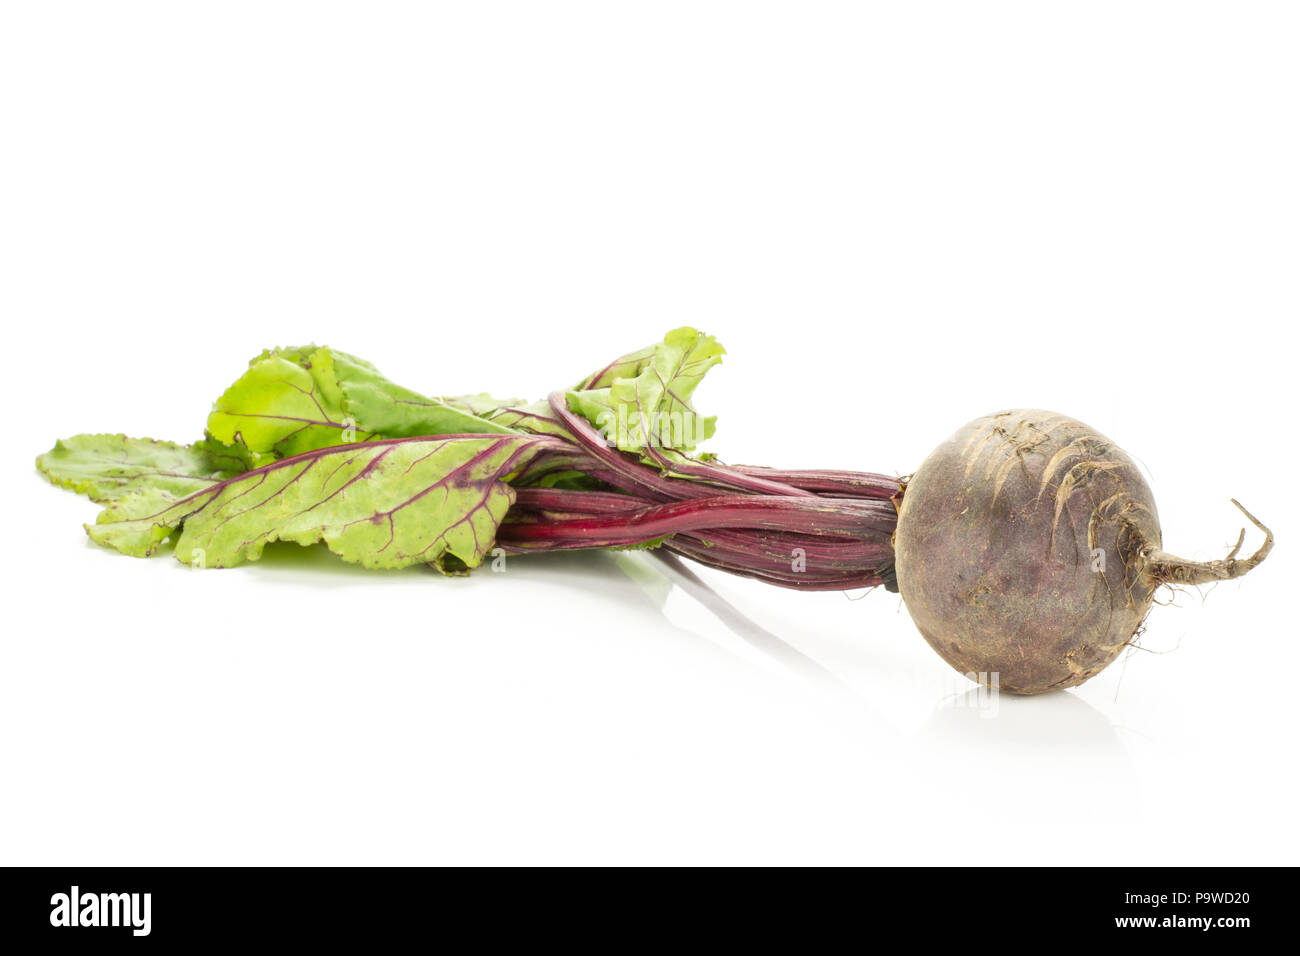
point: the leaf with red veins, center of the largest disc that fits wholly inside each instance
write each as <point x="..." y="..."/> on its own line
<point x="106" y="467"/>
<point x="516" y="414"/>
<point x="296" y="400"/>
<point x="643" y="400"/>
<point x="381" y="504"/>
<point x="286" y="403"/>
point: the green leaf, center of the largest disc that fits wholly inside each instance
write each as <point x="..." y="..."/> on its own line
<point x="644" y="398"/>
<point x="300" y="399"/>
<point x="294" y="400"/>
<point x="232" y="459"/>
<point x="381" y="504"/>
<point x="288" y="402"/>
<point x="106" y="467"/>
<point x="391" y="411"/>
<point x="516" y="414"/>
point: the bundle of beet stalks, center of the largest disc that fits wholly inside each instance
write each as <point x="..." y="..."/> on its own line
<point x="811" y="530"/>
<point x="1026" y="547"/>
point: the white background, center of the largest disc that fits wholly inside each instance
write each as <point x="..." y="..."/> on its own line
<point x="896" y="218"/>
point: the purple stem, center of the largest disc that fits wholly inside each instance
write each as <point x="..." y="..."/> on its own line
<point x="634" y="477"/>
<point x="745" y="520"/>
<point x="809" y="580"/>
<point x="845" y="484"/>
<point x="566" y="501"/>
<point x="723" y="476"/>
<point x="809" y="515"/>
<point x="777" y="551"/>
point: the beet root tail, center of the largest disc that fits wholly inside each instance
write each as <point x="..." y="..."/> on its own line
<point x="1166" y="568"/>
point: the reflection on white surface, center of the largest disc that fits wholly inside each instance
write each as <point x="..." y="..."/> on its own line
<point x="1056" y="752"/>
<point x="1049" y="761"/>
<point x="1055" y="726"/>
<point x="602" y="707"/>
<point x="754" y="634"/>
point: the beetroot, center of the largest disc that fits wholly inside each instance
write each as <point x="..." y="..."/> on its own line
<point x="1028" y="546"/>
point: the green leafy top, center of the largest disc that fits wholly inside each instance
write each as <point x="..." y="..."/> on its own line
<point x="640" y="399"/>
<point x="299" y="399"/>
<point x="106" y="467"/>
<point x="311" y="443"/>
<point x="381" y="504"/>
<point x="514" y="413"/>
<point x="644" y="398"/>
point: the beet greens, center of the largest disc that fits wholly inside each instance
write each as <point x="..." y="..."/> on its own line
<point x="312" y="444"/>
